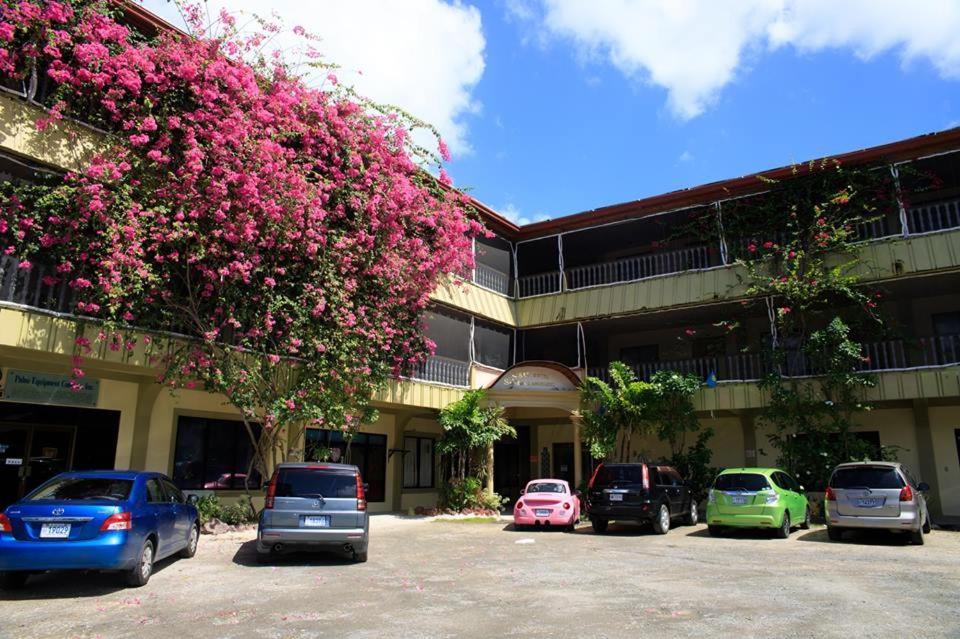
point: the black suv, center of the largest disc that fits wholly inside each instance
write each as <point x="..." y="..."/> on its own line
<point x="645" y="493"/>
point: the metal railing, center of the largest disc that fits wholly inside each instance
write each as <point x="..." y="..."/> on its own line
<point x="26" y="286"/>
<point x="491" y="278"/>
<point x="443" y="370"/>
<point x="886" y="355"/>
<point x="935" y="216"/>
<point x="638" y="267"/>
<point x="539" y="284"/>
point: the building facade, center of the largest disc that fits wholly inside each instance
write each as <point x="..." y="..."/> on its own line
<point x="547" y="304"/>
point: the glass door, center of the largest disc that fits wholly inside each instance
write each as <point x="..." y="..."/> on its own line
<point x="51" y="453"/>
<point x="14" y="442"/>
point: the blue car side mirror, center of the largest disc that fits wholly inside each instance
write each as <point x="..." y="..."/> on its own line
<point x="193" y="499"/>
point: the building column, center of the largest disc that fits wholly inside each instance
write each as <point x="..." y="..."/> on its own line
<point x="577" y="457"/>
<point x="748" y="425"/>
<point x="147" y="393"/>
<point x="925" y="454"/>
<point x="490" y="467"/>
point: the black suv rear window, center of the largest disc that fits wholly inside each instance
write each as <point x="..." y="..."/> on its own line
<point x="316" y="482"/>
<point x="80" y="488"/>
<point x="741" y="481"/>
<point x="618" y="476"/>
<point x="866" y="477"/>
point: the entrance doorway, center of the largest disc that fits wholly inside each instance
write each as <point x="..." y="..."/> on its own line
<point x="32" y="454"/>
<point x="563" y="463"/>
<point x="511" y="464"/>
<point x="38" y="442"/>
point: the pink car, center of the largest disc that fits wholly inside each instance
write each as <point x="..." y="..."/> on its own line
<point x="547" y="502"/>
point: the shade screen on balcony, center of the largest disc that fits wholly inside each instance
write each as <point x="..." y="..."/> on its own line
<point x="450" y="332"/>
<point x="538" y="267"/>
<point x="494" y="264"/>
<point x="555" y="344"/>
<point x="492" y="344"/>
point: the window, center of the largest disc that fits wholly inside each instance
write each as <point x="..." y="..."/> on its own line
<point x="368" y="452"/>
<point x="212" y="454"/>
<point x="418" y="462"/>
<point x="492" y="344"/>
<point x="154" y="492"/>
<point x="70" y="488"/>
<point x="309" y="482"/>
<point x="174" y="495"/>
<point x="747" y="482"/>
<point x="876" y="477"/>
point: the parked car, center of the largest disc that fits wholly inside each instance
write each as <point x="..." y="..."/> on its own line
<point x="547" y="502"/>
<point x="314" y="507"/>
<point x="878" y="495"/>
<point x="757" y="498"/>
<point x="645" y="493"/>
<point x="97" y="520"/>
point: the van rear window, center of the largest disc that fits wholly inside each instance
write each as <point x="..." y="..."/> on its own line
<point x="84" y="488"/>
<point x="618" y="476"/>
<point x="316" y="482"/>
<point x="750" y="482"/>
<point x="866" y="477"/>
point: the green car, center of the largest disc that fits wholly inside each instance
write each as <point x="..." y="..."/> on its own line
<point x="756" y="498"/>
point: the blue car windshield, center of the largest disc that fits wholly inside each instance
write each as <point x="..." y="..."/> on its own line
<point x="81" y="488"/>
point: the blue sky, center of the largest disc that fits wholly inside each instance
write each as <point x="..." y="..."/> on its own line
<point x="555" y="107"/>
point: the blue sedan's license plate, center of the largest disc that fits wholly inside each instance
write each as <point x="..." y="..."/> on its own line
<point x="321" y="521"/>
<point x="54" y="531"/>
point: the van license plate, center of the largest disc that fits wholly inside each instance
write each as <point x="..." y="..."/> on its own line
<point x="616" y="497"/>
<point x="54" y="531"/>
<point x="317" y="522"/>
<point x="870" y="502"/>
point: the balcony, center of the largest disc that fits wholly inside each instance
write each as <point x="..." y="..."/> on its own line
<point x="26" y="287"/>
<point x="443" y="370"/>
<point x="934" y="216"/>
<point x="925" y="352"/>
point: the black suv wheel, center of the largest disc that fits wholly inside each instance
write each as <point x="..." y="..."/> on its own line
<point x="599" y="525"/>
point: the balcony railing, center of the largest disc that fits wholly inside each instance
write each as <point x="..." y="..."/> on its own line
<point x="27" y="287"/>
<point x="935" y="216"/>
<point x="443" y="370"/>
<point x="878" y="356"/>
<point x="539" y="284"/>
<point x="638" y="267"/>
<point x="491" y="278"/>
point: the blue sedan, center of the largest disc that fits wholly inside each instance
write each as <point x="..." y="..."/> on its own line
<point x="97" y="520"/>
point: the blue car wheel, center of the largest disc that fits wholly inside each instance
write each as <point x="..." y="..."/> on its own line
<point x="139" y="575"/>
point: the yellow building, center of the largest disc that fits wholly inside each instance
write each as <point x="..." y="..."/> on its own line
<point x="548" y="304"/>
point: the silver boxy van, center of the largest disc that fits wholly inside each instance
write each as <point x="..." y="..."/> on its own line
<point x="314" y="506"/>
<point x="878" y="495"/>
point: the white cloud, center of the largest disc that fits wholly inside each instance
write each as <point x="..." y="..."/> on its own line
<point x="693" y="48"/>
<point x="425" y="56"/>
<point x="685" y="157"/>
<point x="513" y="213"/>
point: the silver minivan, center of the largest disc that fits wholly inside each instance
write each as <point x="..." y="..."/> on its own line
<point x="314" y="506"/>
<point x="877" y="495"/>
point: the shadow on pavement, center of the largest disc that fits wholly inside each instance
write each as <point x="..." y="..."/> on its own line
<point x="752" y="534"/>
<point x="859" y="537"/>
<point x="247" y="555"/>
<point x="74" y="584"/>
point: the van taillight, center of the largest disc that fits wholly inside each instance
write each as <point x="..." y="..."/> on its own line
<point x="906" y="494"/>
<point x="120" y="521"/>
<point x="271" y="492"/>
<point x="361" y="497"/>
<point x="5" y="524"/>
<point x="828" y="495"/>
<point x="593" y="477"/>
<point x="646" y="477"/>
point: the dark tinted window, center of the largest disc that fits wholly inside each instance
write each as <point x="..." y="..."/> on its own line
<point x="307" y="482"/>
<point x="213" y="454"/>
<point x="546" y="487"/>
<point x="84" y="488"/>
<point x="154" y="492"/>
<point x="866" y="477"/>
<point x="618" y="476"/>
<point x="741" y="481"/>
<point x="173" y="493"/>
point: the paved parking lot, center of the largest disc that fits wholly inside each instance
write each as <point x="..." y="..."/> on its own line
<point x="433" y="579"/>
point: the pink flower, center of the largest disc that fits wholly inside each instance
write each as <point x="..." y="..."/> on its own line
<point x="752" y="247"/>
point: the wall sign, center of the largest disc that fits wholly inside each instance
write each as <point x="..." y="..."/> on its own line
<point x="534" y="377"/>
<point x="44" y="388"/>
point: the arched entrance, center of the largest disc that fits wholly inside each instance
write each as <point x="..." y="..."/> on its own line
<point x="539" y="398"/>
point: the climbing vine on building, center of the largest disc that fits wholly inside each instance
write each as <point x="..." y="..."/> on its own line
<point x="290" y="235"/>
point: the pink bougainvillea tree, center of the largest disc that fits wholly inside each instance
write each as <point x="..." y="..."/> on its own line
<point x="290" y="233"/>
